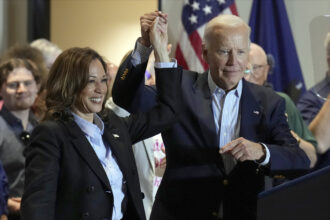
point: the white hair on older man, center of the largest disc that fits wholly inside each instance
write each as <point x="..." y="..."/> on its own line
<point x="49" y="50"/>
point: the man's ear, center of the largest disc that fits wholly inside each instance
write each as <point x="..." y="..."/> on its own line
<point x="204" y="52"/>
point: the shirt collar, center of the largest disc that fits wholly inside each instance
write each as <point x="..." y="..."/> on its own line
<point x="90" y="129"/>
<point x="13" y="121"/>
<point x="214" y="88"/>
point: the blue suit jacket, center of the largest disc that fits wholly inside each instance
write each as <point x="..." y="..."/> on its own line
<point x="195" y="183"/>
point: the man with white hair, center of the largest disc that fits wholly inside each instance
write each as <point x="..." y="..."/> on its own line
<point x="229" y="135"/>
<point x="258" y="63"/>
<point x="314" y="106"/>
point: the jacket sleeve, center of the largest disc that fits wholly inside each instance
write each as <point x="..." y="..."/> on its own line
<point x="129" y="90"/>
<point x="286" y="155"/>
<point x="41" y="173"/>
<point x="146" y="124"/>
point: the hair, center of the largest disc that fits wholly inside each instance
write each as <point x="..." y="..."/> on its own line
<point x="48" y="49"/>
<point x="327" y="43"/>
<point x="27" y="52"/>
<point x="68" y="76"/>
<point x="7" y="66"/>
<point x="222" y="22"/>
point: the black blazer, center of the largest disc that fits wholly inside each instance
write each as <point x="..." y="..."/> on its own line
<point x="64" y="177"/>
<point x="195" y="182"/>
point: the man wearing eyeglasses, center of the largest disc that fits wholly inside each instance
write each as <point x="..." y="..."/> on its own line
<point x="259" y="68"/>
<point x="19" y="85"/>
<point x="314" y="106"/>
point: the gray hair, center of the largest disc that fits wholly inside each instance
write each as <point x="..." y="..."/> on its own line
<point x="225" y="21"/>
<point x="49" y="50"/>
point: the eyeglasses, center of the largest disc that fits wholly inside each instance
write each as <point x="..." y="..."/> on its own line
<point x="256" y="67"/>
<point x="16" y="84"/>
<point x="25" y="137"/>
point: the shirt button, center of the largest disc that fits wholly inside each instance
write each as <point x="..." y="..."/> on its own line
<point x="225" y="182"/>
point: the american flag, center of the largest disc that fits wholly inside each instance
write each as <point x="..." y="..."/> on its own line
<point x="195" y="15"/>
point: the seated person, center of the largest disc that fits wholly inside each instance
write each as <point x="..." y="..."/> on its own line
<point x="314" y="106"/>
<point x="260" y="67"/>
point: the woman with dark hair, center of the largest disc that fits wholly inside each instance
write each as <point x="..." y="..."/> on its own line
<point x="80" y="163"/>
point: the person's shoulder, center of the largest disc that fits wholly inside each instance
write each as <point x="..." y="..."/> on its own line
<point x="320" y="85"/>
<point x="286" y="97"/>
<point x="261" y="91"/>
<point x="110" y="116"/>
<point x="50" y="127"/>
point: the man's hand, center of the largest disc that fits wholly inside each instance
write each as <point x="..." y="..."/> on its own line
<point x="14" y="204"/>
<point x="159" y="40"/>
<point x="242" y="149"/>
<point x="146" y="22"/>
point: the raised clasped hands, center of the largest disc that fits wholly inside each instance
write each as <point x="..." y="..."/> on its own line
<point x="242" y="149"/>
<point x="159" y="38"/>
<point x="146" y="22"/>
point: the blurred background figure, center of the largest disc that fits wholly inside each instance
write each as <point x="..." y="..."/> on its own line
<point x="25" y="51"/>
<point x="19" y="84"/>
<point x="49" y="50"/>
<point x="314" y="106"/>
<point x="260" y="66"/>
<point x="150" y="153"/>
<point x="150" y="71"/>
<point x="3" y="194"/>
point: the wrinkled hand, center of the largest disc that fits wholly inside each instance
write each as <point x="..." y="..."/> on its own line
<point x="14" y="204"/>
<point x="146" y="22"/>
<point x="159" y="39"/>
<point x="242" y="149"/>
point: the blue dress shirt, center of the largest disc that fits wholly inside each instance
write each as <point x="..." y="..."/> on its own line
<point x="93" y="133"/>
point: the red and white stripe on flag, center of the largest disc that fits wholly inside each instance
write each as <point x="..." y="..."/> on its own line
<point x="187" y="34"/>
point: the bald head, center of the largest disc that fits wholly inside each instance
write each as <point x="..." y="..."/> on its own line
<point x="222" y="23"/>
<point x="258" y="61"/>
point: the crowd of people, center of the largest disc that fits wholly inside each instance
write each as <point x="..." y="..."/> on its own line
<point x="81" y="138"/>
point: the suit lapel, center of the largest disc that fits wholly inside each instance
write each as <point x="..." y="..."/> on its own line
<point x="203" y="107"/>
<point x="86" y="151"/>
<point x="119" y="149"/>
<point x="251" y="113"/>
